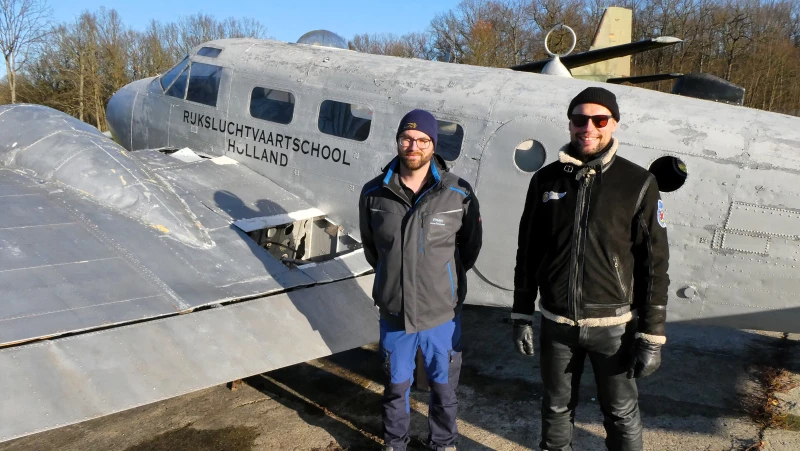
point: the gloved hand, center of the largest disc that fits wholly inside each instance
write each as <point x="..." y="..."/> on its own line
<point x="646" y="359"/>
<point x="523" y="336"/>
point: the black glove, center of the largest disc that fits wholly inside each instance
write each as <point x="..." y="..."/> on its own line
<point x="523" y="336"/>
<point x="646" y="359"/>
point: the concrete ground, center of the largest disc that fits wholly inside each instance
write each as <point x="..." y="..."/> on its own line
<point x="714" y="392"/>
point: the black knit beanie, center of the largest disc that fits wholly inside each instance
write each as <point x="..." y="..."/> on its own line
<point x="600" y="96"/>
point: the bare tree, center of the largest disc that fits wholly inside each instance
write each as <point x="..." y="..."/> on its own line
<point x="23" y="25"/>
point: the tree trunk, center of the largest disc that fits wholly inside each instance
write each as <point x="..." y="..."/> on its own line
<point x="81" y="78"/>
<point x="12" y="77"/>
<point x="97" y="105"/>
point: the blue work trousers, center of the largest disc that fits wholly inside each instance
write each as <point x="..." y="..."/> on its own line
<point x="441" y="349"/>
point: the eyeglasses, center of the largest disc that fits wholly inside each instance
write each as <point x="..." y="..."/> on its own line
<point x="422" y="143"/>
<point x="580" y="120"/>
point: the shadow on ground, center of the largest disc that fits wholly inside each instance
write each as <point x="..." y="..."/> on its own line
<point x="225" y="439"/>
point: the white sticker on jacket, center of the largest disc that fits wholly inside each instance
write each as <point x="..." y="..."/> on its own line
<point x="552" y="195"/>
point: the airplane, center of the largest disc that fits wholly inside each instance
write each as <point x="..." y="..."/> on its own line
<point x="219" y="238"/>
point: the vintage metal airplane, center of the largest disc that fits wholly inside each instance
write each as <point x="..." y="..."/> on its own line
<point x="239" y="180"/>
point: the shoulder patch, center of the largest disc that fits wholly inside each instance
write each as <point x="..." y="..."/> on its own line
<point x="660" y="216"/>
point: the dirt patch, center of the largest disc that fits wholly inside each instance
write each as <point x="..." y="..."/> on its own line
<point x="225" y="439"/>
<point x="332" y="446"/>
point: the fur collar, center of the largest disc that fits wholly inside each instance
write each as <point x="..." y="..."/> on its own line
<point x="603" y="161"/>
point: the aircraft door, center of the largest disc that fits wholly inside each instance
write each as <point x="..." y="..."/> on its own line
<point x="512" y="155"/>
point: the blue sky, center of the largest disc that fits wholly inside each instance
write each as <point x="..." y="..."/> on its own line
<point x="285" y="20"/>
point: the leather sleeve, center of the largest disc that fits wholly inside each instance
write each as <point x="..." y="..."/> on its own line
<point x="528" y="257"/>
<point x="651" y="261"/>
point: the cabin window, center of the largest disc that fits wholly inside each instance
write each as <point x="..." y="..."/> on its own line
<point x="670" y="173"/>
<point x="170" y="76"/>
<point x="345" y="120"/>
<point x="451" y="138"/>
<point x="529" y="156"/>
<point x="272" y="105"/>
<point x="204" y="84"/>
<point x="209" y="52"/>
<point x="178" y="87"/>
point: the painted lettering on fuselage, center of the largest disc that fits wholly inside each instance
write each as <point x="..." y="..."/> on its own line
<point x="277" y="142"/>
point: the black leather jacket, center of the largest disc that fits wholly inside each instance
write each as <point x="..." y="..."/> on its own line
<point x="593" y="242"/>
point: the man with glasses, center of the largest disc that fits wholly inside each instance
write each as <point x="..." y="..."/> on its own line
<point x="421" y="231"/>
<point x="593" y="244"/>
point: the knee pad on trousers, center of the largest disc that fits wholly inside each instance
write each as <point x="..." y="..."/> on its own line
<point x="395" y="396"/>
<point x="445" y="393"/>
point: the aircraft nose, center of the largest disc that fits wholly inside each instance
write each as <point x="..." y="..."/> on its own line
<point x="120" y="110"/>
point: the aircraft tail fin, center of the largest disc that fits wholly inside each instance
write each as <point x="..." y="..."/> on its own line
<point x="615" y="28"/>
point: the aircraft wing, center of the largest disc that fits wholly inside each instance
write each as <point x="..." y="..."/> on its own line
<point x="111" y="261"/>
<point x="606" y="53"/>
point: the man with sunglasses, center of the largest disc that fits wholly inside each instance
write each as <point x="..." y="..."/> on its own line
<point x="421" y="231"/>
<point x="593" y="243"/>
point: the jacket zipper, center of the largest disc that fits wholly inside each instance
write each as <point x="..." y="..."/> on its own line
<point x="619" y="278"/>
<point x="581" y="217"/>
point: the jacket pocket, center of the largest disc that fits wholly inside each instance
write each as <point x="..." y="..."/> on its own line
<point x="441" y="226"/>
<point x="452" y="283"/>
<point x="618" y="272"/>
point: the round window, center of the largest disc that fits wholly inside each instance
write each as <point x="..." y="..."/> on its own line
<point x="670" y="172"/>
<point x="529" y="155"/>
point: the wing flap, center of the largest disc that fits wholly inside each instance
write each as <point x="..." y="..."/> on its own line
<point x="65" y="381"/>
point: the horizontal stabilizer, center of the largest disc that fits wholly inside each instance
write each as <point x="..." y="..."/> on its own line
<point x="645" y="78"/>
<point x="594" y="56"/>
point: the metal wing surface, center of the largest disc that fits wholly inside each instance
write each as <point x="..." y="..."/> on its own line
<point x="93" y="238"/>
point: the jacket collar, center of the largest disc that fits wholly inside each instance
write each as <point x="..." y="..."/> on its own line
<point x="602" y="162"/>
<point x="438" y="166"/>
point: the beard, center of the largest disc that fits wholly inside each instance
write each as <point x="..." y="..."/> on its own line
<point x="415" y="164"/>
<point x="586" y="153"/>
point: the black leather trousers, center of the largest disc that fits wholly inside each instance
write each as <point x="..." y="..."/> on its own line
<point x="563" y="352"/>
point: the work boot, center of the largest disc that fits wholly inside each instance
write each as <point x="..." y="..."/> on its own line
<point x="429" y="445"/>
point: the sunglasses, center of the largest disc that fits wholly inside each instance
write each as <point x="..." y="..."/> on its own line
<point x="580" y="120"/>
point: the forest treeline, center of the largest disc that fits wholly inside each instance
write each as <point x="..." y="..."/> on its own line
<point x="76" y="66"/>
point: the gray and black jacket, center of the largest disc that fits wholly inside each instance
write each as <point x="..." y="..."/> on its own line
<point x="421" y="251"/>
<point x="593" y="243"/>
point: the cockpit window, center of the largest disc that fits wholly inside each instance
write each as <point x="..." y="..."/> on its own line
<point x="210" y="52"/>
<point x="178" y="87"/>
<point x="204" y="84"/>
<point x="169" y="77"/>
<point x="272" y="105"/>
<point x="451" y="137"/>
<point x="345" y="120"/>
